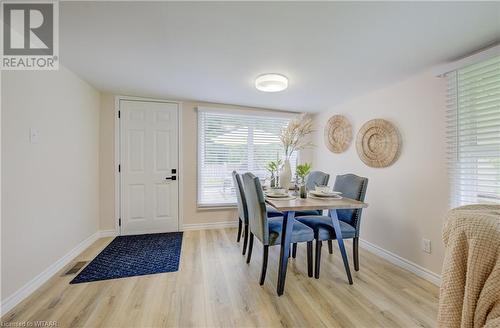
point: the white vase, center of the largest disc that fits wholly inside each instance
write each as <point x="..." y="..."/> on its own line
<point x="285" y="175"/>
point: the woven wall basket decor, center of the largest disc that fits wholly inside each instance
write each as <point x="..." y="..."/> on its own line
<point x="338" y="134"/>
<point x="378" y="143"/>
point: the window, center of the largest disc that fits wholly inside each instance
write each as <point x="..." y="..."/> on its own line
<point x="473" y="134"/>
<point x="235" y="140"/>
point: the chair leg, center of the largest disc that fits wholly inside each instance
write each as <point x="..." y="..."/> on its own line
<point x="355" y="252"/>
<point x="294" y="250"/>
<point x="240" y="224"/>
<point x="264" y="265"/>
<point x="330" y="246"/>
<point x="310" y="258"/>
<point x="245" y="239"/>
<point x="318" y="258"/>
<point x="250" y="246"/>
<point x="340" y="241"/>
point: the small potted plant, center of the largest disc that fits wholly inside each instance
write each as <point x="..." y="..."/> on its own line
<point x="273" y="168"/>
<point x="302" y="171"/>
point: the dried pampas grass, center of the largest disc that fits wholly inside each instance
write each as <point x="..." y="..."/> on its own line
<point x="292" y="137"/>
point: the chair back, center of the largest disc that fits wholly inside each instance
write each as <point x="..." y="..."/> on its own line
<point x="354" y="187"/>
<point x="257" y="214"/>
<point x="240" y="197"/>
<point x="316" y="178"/>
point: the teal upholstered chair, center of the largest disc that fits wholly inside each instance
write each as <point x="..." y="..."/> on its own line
<point x="243" y="210"/>
<point x="268" y="230"/>
<point x="351" y="186"/>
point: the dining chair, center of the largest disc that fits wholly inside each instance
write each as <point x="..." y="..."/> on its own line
<point x="316" y="178"/>
<point x="351" y="186"/>
<point x="243" y="211"/>
<point x="268" y="230"/>
<point x="313" y="179"/>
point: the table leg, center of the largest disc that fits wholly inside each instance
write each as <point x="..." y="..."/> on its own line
<point x="286" y="233"/>
<point x="338" y="234"/>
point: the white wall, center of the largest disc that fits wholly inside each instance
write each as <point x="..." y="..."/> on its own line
<point x="409" y="199"/>
<point x="50" y="190"/>
<point x="107" y="162"/>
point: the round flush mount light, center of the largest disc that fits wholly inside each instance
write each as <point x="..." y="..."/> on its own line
<point x="271" y="82"/>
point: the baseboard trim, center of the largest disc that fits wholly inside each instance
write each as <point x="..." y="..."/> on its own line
<point x="402" y="262"/>
<point x="209" y="226"/>
<point x="48" y="273"/>
<point x="108" y="233"/>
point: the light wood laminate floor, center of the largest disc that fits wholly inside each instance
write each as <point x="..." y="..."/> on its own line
<point x="214" y="287"/>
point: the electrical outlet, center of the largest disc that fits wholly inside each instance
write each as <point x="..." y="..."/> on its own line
<point x="34" y="136"/>
<point x="426" y="245"/>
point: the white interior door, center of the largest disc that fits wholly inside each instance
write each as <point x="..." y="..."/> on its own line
<point x="149" y="166"/>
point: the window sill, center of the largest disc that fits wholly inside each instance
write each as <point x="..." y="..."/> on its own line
<point x="216" y="207"/>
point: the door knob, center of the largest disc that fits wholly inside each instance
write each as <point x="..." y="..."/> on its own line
<point x="171" y="178"/>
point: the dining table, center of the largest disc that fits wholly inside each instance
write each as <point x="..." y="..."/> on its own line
<point x="289" y="206"/>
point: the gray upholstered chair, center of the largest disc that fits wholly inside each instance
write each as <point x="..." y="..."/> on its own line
<point x="243" y="210"/>
<point x="268" y="230"/>
<point x="316" y="178"/>
<point x="313" y="179"/>
<point x="351" y="186"/>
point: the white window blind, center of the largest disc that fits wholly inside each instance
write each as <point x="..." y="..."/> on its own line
<point x="473" y="133"/>
<point x="230" y="141"/>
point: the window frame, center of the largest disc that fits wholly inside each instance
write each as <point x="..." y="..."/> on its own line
<point x="459" y="157"/>
<point x="235" y="112"/>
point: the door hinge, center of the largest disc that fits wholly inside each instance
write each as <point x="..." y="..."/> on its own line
<point x="119" y="113"/>
<point x="119" y="168"/>
<point x="120" y="222"/>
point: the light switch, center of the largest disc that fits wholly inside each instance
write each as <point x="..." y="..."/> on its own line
<point x="34" y="136"/>
<point x="426" y="245"/>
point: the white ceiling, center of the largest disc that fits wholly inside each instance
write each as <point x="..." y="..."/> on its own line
<point x="213" y="51"/>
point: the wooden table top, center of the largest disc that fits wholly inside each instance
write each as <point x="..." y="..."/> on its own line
<point x="301" y="204"/>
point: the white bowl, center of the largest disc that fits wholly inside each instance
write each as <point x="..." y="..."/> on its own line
<point x="277" y="191"/>
<point x="324" y="189"/>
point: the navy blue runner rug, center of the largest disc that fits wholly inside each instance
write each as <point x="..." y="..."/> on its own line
<point x="128" y="256"/>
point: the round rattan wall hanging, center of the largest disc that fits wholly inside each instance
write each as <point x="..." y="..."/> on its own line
<point x="338" y="134"/>
<point x="378" y="143"/>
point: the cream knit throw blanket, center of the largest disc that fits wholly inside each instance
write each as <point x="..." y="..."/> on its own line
<point x="470" y="287"/>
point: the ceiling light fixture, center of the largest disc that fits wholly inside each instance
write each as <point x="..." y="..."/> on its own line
<point x="271" y="82"/>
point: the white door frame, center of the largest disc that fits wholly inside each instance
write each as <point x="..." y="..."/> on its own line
<point x="117" y="145"/>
